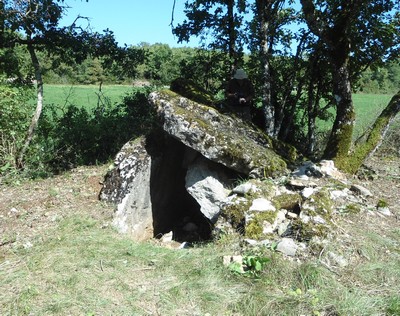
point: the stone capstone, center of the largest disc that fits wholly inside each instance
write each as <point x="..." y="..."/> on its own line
<point x="224" y="139"/>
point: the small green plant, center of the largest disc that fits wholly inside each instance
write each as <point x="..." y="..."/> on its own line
<point x="251" y="265"/>
<point x="381" y="203"/>
<point x="255" y="264"/>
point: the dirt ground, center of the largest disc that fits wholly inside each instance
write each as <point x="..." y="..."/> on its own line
<point x="29" y="210"/>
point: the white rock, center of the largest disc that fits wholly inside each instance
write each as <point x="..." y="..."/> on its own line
<point x="268" y="228"/>
<point x="251" y="242"/>
<point x="287" y="246"/>
<point x="318" y="220"/>
<point x="337" y="259"/>
<point x="360" y="190"/>
<point x="304" y="218"/>
<point x="291" y="215"/>
<point x="206" y="187"/>
<point x="384" y="211"/>
<point x="282" y="227"/>
<point x="167" y="237"/>
<point x="245" y="188"/>
<point x="336" y="194"/>
<point x="262" y="205"/>
<point x="307" y="192"/>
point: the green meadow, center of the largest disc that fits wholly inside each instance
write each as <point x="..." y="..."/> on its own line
<point x="83" y="95"/>
<point x="367" y="106"/>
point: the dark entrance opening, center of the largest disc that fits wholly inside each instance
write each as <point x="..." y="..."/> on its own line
<point x="174" y="209"/>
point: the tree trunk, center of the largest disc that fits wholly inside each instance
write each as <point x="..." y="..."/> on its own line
<point x="339" y="142"/>
<point x="39" y="105"/>
<point x="2" y="21"/>
<point x="268" y="109"/>
<point x="354" y="161"/>
<point x="311" y="128"/>
<point x="232" y="35"/>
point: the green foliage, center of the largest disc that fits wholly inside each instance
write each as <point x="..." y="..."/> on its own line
<point x="82" y="136"/>
<point x="251" y="265"/>
<point x="15" y="113"/>
<point x="381" y="203"/>
<point x="69" y="135"/>
<point x="255" y="264"/>
<point x="191" y="91"/>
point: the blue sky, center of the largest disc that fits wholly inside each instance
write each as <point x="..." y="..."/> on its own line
<point x="132" y="21"/>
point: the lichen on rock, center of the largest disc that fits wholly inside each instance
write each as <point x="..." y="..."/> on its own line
<point x="219" y="137"/>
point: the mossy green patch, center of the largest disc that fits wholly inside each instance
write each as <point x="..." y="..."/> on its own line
<point x="235" y="212"/>
<point x="353" y="208"/>
<point x="322" y="204"/>
<point x="381" y="203"/>
<point x="287" y="201"/>
<point x="255" y="227"/>
<point x="306" y="231"/>
<point x="192" y="91"/>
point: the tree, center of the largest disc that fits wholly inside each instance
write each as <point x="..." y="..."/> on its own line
<point x="218" y="21"/>
<point x="35" y="25"/>
<point x="355" y="34"/>
<point x="269" y="16"/>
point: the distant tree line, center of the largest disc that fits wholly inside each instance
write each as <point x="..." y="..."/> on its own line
<point x="163" y="63"/>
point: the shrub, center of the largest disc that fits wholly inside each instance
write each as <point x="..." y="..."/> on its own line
<point x="84" y="137"/>
<point x="14" y="121"/>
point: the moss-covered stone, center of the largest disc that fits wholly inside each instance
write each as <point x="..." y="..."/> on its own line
<point x="255" y="226"/>
<point x="235" y="212"/>
<point x="321" y="203"/>
<point x="266" y="189"/>
<point x="306" y="231"/>
<point x="287" y="201"/>
<point x="192" y="91"/>
<point x="287" y="151"/>
<point x="219" y="137"/>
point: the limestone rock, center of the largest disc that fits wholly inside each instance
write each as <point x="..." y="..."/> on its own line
<point x="325" y="168"/>
<point x="245" y="188"/>
<point x="221" y="138"/>
<point x="128" y="163"/>
<point x="361" y="190"/>
<point x="261" y="205"/>
<point x="287" y="246"/>
<point x="207" y="187"/>
<point x="128" y="185"/>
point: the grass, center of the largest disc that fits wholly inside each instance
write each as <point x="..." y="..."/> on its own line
<point x="367" y="108"/>
<point x="83" y="95"/>
<point x="82" y="268"/>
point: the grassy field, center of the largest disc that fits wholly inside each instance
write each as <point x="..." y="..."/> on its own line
<point x="83" y="95"/>
<point x="367" y="106"/>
